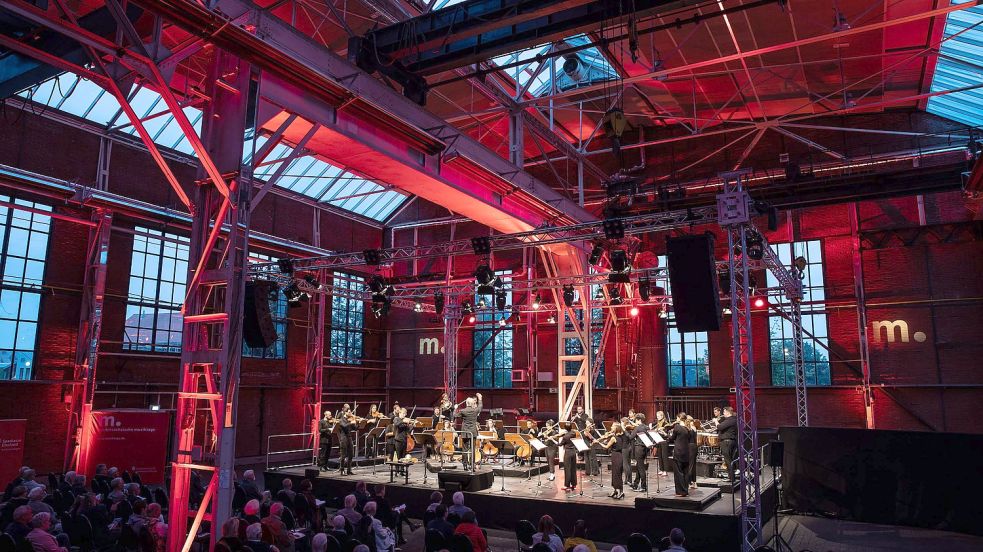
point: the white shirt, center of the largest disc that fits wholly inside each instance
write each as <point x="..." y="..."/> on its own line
<point x="555" y="543"/>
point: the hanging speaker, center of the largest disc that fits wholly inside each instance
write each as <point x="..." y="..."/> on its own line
<point x="776" y="453"/>
<point x="693" y="278"/>
<point x="258" y="330"/>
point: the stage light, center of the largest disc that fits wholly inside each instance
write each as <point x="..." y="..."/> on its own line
<point x="759" y="302"/>
<point x="286" y="266"/>
<point x="501" y="321"/>
<point x="381" y="307"/>
<point x="417" y="307"/>
<point x="481" y="245"/>
<point x="312" y="281"/>
<point x="633" y="311"/>
<point x="293" y="295"/>
<point x="155" y="407"/>
<point x="800" y="264"/>
<point x="438" y="302"/>
<point x="645" y="289"/>
<point x="378" y="285"/>
<point x="373" y="257"/>
<point x="484" y="277"/>
<point x="755" y="246"/>
<point x="536" y="302"/>
<point x="595" y="254"/>
<point x="614" y="229"/>
<point x="620" y="267"/>
<point x="471" y="319"/>
<point x="501" y="300"/>
<point x="467" y="307"/>
<point x="615" y="296"/>
<point x="663" y="314"/>
<point x="551" y="319"/>
<point x="727" y="311"/>
<point x="568" y="295"/>
<point x="481" y="303"/>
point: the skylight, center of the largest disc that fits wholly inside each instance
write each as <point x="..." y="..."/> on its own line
<point x="305" y="174"/>
<point x="960" y="64"/>
<point x="581" y="68"/>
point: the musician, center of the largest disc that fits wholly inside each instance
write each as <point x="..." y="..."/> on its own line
<point x="546" y="435"/>
<point x="491" y="426"/>
<point x="529" y="428"/>
<point x="346" y="429"/>
<point x="680" y="437"/>
<point x="727" y="430"/>
<point x="694" y="427"/>
<point x="445" y="406"/>
<point x="569" y="457"/>
<point x="628" y="424"/>
<point x="640" y="454"/>
<point x="372" y="422"/>
<point x="469" y="419"/>
<point x="401" y="431"/>
<point x="662" y="426"/>
<point x="616" y="442"/>
<point x="437" y="418"/>
<point x="581" y="419"/>
<point x="324" y="427"/>
<point x="591" y="464"/>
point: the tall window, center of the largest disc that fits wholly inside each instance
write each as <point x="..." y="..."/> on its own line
<point x="493" y="341"/>
<point x="687" y="353"/>
<point x="814" y="349"/>
<point x="23" y="250"/>
<point x="347" y="320"/>
<point x="278" y="310"/>
<point x="158" y="274"/>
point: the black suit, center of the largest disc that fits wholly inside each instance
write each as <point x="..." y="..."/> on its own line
<point x="324" y="451"/>
<point x="569" y="459"/>
<point x="640" y="452"/>
<point x="681" y="438"/>
<point x="469" y="424"/>
<point x="402" y="432"/>
<point x="345" y="446"/>
<point x="727" y="430"/>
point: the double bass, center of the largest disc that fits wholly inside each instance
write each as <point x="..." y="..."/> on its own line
<point x="410" y="441"/>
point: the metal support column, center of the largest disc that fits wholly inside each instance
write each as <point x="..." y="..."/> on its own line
<point x="314" y="378"/>
<point x="452" y="321"/>
<point x="212" y="340"/>
<point x="801" y="402"/>
<point x="734" y="212"/>
<point x="571" y="326"/>
<point x="859" y="291"/>
<point x="517" y="143"/>
<point x="87" y="348"/>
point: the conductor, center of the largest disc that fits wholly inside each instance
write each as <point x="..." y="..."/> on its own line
<point x="469" y="420"/>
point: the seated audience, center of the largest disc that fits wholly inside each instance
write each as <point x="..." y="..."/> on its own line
<point x="29" y="481"/>
<point x="371" y="531"/>
<point x="233" y="536"/>
<point x="250" y="512"/>
<point x="18" y="498"/>
<point x="287" y="493"/>
<point x="458" y="508"/>
<point x="469" y="528"/>
<point x="580" y="537"/>
<point x="313" y="512"/>
<point x="137" y="520"/>
<point x="16" y="482"/>
<point x="254" y="539"/>
<point x="361" y="548"/>
<point x="338" y="529"/>
<point x="319" y="543"/>
<point x="40" y="538"/>
<point x="249" y="485"/>
<point x="353" y="517"/>
<point x="156" y="526"/>
<point x="21" y="525"/>
<point x="547" y="534"/>
<point x="117" y="491"/>
<point x="78" y="485"/>
<point x="132" y="492"/>
<point x="282" y="537"/>
<point x="35" y="499"/>
<point x="676" y="539"/>
<point x="436" y="498"/>
<point x="65" y="485"/>
<point x="362" y="495"/>
<point x="439" y="522"/>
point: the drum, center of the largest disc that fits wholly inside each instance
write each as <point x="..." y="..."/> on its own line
<point x="710" y="439"/>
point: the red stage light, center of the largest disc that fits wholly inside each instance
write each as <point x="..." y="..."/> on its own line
<point x="471" y="319"/>
<point x="759" y="302"/>
<point x="633" y="311"/>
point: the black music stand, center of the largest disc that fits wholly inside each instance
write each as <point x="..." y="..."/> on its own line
<point x="376" y="434"/>
<point x="428" y="442"/>
<point x="501" y="445"/>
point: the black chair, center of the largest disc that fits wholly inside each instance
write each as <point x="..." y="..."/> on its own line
<point x="7" y="543"/>
<point x="559" y="532"/>
<point x="52" y="481"/>
<point x="288" y="518"/>
<point x="128" y="539"/>
<point x="453" y="519"/>
<point x="333" y="545"/>
<point x="460" y="543"/>
<point x="435" y="540"/>
<point x="664" y="543"/>
<point x="24" y="546"/>
<point x="428" y="517"/>
<point x="126" y="477"/>
<point x="160" y="497"/>
<point x="239" y="498"/>
<point x="351" y="544"/>
<point x="541" y="547"/>
<point x="638" y="542"/>
<point x="524" y="530"/>
<point x="283" y="497"/>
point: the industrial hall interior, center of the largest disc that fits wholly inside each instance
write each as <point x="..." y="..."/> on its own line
<point x="491" y="275"/>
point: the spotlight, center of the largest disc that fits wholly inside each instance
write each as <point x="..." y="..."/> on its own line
<point x="467" y="307"/>
<point x="615" y="296"/>
<point x="614" y="229"/>
<point x="417" y="307"/>
<point x="568" y="295"/>
<point x="551" y="319"/>
<point x="727" y="311"/>
<point x="481" y="245"/>
<point x="501" y="300"/>
<point x="378" y="285"/>
<point x="286" y="266"/>
<point x="471" y="319"/>
<point x="595" y="254"/>
<point x="663" y="314"/>
<point x="800" y="263"/>
<point x="293" y="294"/>
<point x="755" y="246"/>
<point x="515" y="313"/>
<point x="633" y="311"/>
<point x="438" y="302"/>
<point x="620" y="267"/>
<point x="483" y="278"/>
<point x="501" y="321"/>
<point x="155" y="407"/>
<point x="381" y="307"/>
<point x="536" y="302"/>
<point x="312" y="281"/>
<point x="373" y="257"/>
<point x="645" y="289"/>
<point x="759" y="302"/>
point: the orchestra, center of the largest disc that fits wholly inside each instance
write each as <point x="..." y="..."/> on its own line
<point x="462" y="438"/>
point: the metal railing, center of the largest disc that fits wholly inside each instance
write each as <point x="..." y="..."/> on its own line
<point x="304" y="438"/>
<point x="697" y="406"/>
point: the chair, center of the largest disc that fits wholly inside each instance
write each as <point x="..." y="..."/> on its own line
<point x="52" y="481"/>
<point x="283" y="497"/>
<point x="126" y="477"/>
<point x="128" y="539"/>
<point x="541" y="547"/>
<point x="7" y="543"/>
<point x="333" y="545"/>
<point x="24" y="546"/>
<point x="664" y="543"/>
<point x="303" y="511"/>
<point x="435" y="540"/>
<point x="524" y="530"/>
<point x="288" y="518"/>
<point x="428" y="517"/>
<point x="351" y="544"/>
<point x="460" y="543"/>
<point x="453" y="519"/>
<point x="239" y="498"/>
<point x="559" y="532"/>
<point x="638" y="542"/>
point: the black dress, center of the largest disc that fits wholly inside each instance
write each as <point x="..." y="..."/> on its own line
<point x="569" y="460"/>
<point x="621" y="442"/>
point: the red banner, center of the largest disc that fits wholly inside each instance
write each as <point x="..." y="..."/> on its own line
<point x="11" y="447"/>
<point x="132" y="440"/>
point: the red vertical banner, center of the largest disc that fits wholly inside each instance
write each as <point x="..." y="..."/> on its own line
<point x="132" y="440"/>
<point x="11" y="447"/>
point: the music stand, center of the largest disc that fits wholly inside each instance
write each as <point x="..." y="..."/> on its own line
<point x="501" y="444"/>
<point x="658" y="440"/>
<point x="376" y="433"/>
<point x="537" y="446"/>
<point x="429" y="442"/>
<point x="581" y="446"/>
<point x="649" y="443"/>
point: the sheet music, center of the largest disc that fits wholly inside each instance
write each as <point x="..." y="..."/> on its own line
<point x="656" y="438"/>
<point x="644" y="438"/>
<point x="537" y="444"/>
<point x="580" y="444"/>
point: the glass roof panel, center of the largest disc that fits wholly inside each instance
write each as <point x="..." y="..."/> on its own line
<point x="581" y="68"/>
<point x="960" y="64"/>
<point x="305" y="175"/>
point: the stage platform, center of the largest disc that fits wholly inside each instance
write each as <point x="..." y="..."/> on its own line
<point x="708" y="516"/>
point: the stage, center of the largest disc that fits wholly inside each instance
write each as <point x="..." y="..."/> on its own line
<point x="707" y="516"/>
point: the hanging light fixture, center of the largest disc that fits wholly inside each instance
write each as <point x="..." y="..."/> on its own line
<point x="568" y="295"/>
<point x="595" y="254"/>
<point x="634" y="311"/>
<point x="484" y="278"/>
<point x="536" y="302"/>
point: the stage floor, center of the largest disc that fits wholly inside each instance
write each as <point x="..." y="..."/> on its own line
<point x="714" y="525"/>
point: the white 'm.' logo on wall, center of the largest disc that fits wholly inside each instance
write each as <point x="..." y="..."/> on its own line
<point x="894" y="330"/>
<point x="430" y="346"/>
<point x="111" y="421"/>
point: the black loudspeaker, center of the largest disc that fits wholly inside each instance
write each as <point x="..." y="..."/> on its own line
<point x="258" y="330"/>
<point x="465" y="481"/>
<point x="311" y="473"/>
<point x="693" y="276"/>
<point x="776" y="453"/>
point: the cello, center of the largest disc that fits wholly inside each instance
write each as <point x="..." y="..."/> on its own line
<point x="410" y="441"/>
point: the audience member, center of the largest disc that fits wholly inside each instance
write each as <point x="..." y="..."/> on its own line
<point x="440" y="523"/>
<point x="338" y="529"/>
<point x="307" y="491"/>
<point x="29" y="481"/>
<point x="287" y="493"/>
<point x="319" y="543"/>
<point x="676" y="539"/>
<point x="35" y="499"/>
<point x="249" y="485"/>
<point x="362" y="495"/>
<point x="547" y="534"/>
<point x="16" y="482"/>
<point x="137" y="520"/>
<point x="361" y="548"/>
<point x="579" y="537"/>
<point x="372" y="532"/>
<point x="132" y="492"/>
<point x="40" y="538"/>
<point x="250" y="512"/>
<point x="78" y="485"/>
<point x="469" y="528"/>
<point x="67" y="480"/>
<point x="21" y="524"/>
<point x="458" y="508"/>
<point x="618" y="548"/>
<point x="91" y="508"/>
<point x="156" y="526"/>
<point x="436" y="498"/>
<point x="117" y="492"/>
<point x="282" y="537"/>
<point x="233" y="536"/>
<point x="254" y="539"/>
<point x="18" y="498"/>
<point x="353" y="517"/>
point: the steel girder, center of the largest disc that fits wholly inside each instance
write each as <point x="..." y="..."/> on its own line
<point x="452" y="321"/>
<point x="314" y="377"/>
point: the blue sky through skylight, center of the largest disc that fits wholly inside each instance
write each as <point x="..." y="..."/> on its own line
<point x="960" y="65"/>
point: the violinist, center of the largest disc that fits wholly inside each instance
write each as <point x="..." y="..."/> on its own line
<point x="591" y="465"/>
<point x="662" y="426"/>
<point x="346" y="427"/>
<point x="324" y="427"/>
<point x="445" y="406"/>
<point x="580" y="419"/>
<point x="640" y="453"/>
<point x="372" y="422"/>
<point x="401" y="426"/>
<point x="616" y="441"/>
<point x="569" y="457"/>
<point x="628" y="425"/>
<point x="492" y="427"/>
<point x="548" y="436"/>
